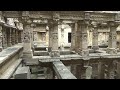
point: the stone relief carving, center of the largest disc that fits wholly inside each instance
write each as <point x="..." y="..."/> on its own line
<point x="26" y="37"/>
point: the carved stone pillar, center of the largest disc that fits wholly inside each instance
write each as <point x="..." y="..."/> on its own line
<point x="73" y="69"/>
<point x="35" y="36"/>
<point x="55" y="52"/>
<point x="1" y="36"/>
<point x="79" y="69"/>
<point x="20" y="36"/>
<point x="47" y="37"/>
<point x="4" y="38"/>
<point x="16" y="36"/>
<point x="73" y="36"/>
<point x="95" y="37"/>
<point x="53" y="39"/>
<point x="77" y="37"/>
<point x="112" y="47"/>
<point x="13" y="36"/>
<point x="118" y="70"/>
<point x="83" y="44"/>
<point x="62" y="39"/>
<point x="10" y="37"/>
<point x="27" y="51"/>
<point x="32" y="29"/>
<point x="86" y="69"/>
<point x="101" y="70"/>
<point x="112" y="69"/>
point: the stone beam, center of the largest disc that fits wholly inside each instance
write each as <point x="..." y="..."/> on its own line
<point x="61" y="71"/>
<point x="12" y="14"/>
<point x="64" y="15"/>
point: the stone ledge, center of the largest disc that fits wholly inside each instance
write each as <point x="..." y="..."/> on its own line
<point x="8" y="53"/>
<point x="9" y="72"/>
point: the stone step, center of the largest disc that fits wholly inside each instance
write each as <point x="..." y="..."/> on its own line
<point x="9" y="72"/>
<point x="40" y="53"/>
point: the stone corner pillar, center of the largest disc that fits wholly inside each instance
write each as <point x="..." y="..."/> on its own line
<point x="27" y="50"/>
<point x="83" y="44"/>
<point x="53" y="38"/>
<point x="112" y="46"/>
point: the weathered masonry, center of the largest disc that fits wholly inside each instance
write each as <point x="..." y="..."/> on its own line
<point x="29" y="45"/>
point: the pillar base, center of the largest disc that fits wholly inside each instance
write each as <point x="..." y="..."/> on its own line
<point x="72" y="49"/>
<point x="55" y="53"/>
<point x="111" y="51"/>
<point x="84" y="53"/>
<point x="95" y="47"/>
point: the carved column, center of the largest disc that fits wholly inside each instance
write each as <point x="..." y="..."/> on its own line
<point x="77" y="37"/>
<point x="53" y="35"/>
<point x="20" y="36"/>
<point x="118" y="70"/>
<point x="50" y="35"/>
<point x="55" y="52"/>
<point x="4" y="38"/>
<point x="73" y="37"/>
<point x="32" y="29"/>
<point x="112" y="69"/>
<point x="73" y="69"/>
<point x="47" y="36"/>
<point x="10" y="37"/>
<point x="16" y="36"/>
<point x="95" y="37"/>
<point x="1" y="39"/>
<point x="112" y="47"/>
<point x="86" y="69"/>
<point x="27" y="51"/>
<point x="35" y="35"/>
<point x="13" y="36"/>
<point x="83" y="44"/>
<point x="101" y="68"/>
<point x="62" y="39"/>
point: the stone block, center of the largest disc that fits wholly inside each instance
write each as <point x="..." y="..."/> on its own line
<point x="22" y="73"/>
<point x="84" y="53"/>
<point x="95" y="47"/>
<point x="55" y="53"/>
<point x="111" y="51"/>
